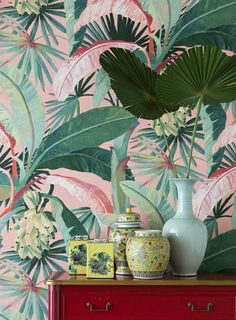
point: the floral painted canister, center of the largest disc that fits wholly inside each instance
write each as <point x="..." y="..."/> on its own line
<point x="100" y="259"/>
<point x="78" y="255"/>
<point x="148" y="254"/>
<point x="120" y="232"/>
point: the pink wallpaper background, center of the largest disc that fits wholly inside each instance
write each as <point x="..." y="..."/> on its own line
<point x="58" y="190"/>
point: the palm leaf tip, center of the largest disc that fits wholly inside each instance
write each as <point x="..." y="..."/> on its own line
<point x="204" y="72"/>
<point x="133" y="82"/>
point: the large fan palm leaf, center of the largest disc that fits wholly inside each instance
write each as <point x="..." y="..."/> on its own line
<point x="134" y="83"/>
<point x="201" y="72"/>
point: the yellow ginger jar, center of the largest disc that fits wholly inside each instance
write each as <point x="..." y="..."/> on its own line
<point x="120" y="232"/>
<point x="148" y="254"/>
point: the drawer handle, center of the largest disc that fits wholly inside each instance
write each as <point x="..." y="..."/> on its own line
<point x="92" y="309"/>
<point x="208" y="309"/>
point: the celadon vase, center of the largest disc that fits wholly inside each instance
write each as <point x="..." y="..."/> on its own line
<point x="186" y="233"/>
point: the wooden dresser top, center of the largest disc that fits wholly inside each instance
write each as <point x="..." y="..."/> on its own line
<point x="209" y="279"/>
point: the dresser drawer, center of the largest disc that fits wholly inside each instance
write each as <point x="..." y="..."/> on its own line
<point x="145" y="303"/>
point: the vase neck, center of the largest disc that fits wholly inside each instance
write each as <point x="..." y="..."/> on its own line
<point x="185" y="191"/>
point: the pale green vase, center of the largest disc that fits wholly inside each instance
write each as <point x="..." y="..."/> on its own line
<point x="186" y="233"/>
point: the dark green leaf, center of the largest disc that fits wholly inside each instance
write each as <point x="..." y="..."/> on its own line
<point x="213" y="121"/>
<point x="120" y="28"/>
<point x="66" y="221"/>
<point x="89" y="129"/>
<point x="203" y="16"/>
<point x="134" y="83"/>
<point x="93" y="160"/>
<point x="223" y="37"/>
<point x="221" y="253"/>
<point x="200" y="72"/>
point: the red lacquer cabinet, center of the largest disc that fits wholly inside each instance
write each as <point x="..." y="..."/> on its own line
<point x="209" y="297"/>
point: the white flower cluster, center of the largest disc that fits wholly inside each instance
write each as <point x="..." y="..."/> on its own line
<point x="172" y="122"/>
<point x="33" y="230"/>
<point x="29" y="6"/>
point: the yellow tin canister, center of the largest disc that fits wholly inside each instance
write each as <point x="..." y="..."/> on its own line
<point x="100" y="259"/>
<point x="78" y="255"/>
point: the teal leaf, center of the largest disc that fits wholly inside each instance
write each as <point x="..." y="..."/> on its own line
<point x="166" y="12"/>
<point x="50" y="260"/>
<point x="116" y="28"/>
<point x="67" y="223"/>
<point x="234" y="215"/>
<point x="234" y="108"/>
<point x="45" y="21"/>
<point x="62" y="111"/>
<point x="89" y="220"/>
<point x="102" y="86"/>
<point x="10" y="314"/>
<point x="134" y="191"/>
<point x="26" y="121"/>
<point x="213" y="122"/>
<point x="93" y="160"/>
<point x="89" y="129"/>
<point x="221" y="253"/>
<point x="73" y="10"/>
<point x="223" y="37"/>
<point x="119" y="162"/>
<point x="204" y="15"/>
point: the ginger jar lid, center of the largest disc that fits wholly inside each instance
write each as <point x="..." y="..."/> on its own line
<point x="129" y="216"/>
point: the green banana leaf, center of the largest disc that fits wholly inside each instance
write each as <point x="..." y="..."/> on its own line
<point x="134" y="191"/>
<point x="221" y="253"/>
<point x="223" y="37"/>
<point x="213" y="122"/>
<point x="26" y="121"/>
<point x="93" y="160"/>
<point x="102" y="86"/>
<point x="203" y="16"/>
<point x="73" y="9"/>
<point x="67" y="223"/>
<point x="89" y="129"/>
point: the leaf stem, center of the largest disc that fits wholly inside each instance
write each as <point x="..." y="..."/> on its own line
<point x="168" y="148"/>
<point x="199" y="105"/>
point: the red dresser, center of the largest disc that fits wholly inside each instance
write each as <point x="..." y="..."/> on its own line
<point x="209" y="297"/>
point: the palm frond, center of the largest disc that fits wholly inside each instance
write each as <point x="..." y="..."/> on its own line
<point x="47" y="263"/>
<point x="60" y="112"/>
<point x="21" y="292"/>
<point x="120" y="29"/>
<point x="134" y="83"/>
<point x="199" y="72"/>
<point x="31" y="56"/>
<point x="46" y="22"/>
<point x="177" y="142"/>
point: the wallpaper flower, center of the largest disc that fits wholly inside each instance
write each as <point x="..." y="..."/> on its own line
<point x="71" y="157"/>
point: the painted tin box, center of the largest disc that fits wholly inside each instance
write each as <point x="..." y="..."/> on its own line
<point x="100" y="259"/>
<point x="78" y="255"/>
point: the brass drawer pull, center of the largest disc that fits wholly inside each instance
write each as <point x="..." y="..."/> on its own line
<point x="92" y="309"/>
<point x="208" y="309"/>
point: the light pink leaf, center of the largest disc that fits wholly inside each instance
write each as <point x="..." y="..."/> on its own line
<point x="219" y="186"/>
<point x="99" y="8"/>
<point x="89" y="194"/>
<point x="83" y="62"/>
<point x="226" y="137"/>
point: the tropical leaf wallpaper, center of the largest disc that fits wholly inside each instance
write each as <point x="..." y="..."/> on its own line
<point x="71" y="158"/>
